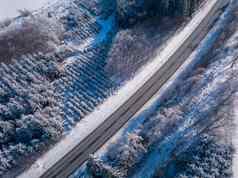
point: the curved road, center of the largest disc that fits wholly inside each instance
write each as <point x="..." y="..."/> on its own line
<point x="73" y="151"/>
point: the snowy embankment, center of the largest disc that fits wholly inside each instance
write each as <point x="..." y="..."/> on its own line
<point x="153" y="142"/>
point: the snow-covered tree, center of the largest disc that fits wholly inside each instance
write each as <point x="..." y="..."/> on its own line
<point x="131" y="11"/>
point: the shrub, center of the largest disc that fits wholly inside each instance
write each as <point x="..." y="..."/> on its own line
<point x="129" y="12"/>
<point x="24" y="12"/>
<point x="207" y="159"/>
<point x="30" y="35"/>
<point x="5" y="23"/>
